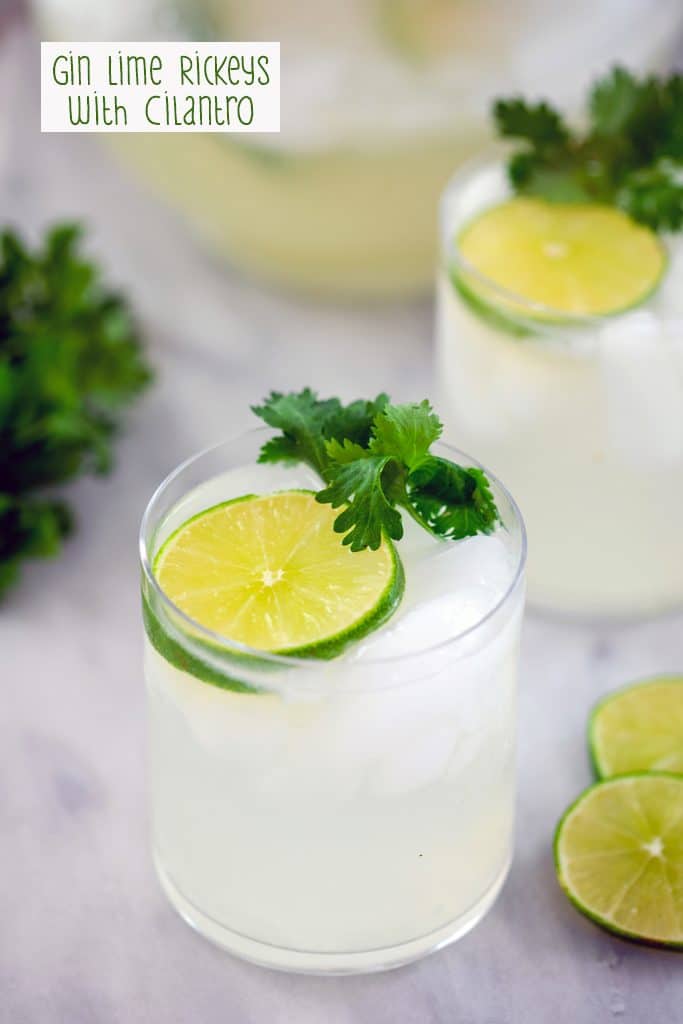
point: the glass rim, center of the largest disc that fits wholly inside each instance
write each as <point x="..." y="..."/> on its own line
<point x="229" y="646"/>
<point x="543" y="319"/>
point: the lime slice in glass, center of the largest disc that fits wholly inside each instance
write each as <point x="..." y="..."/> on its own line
<point x="271" y="573"/>
<point x="568" y="259"/>
<point x="619" y="856"/>
<point x="639" y="728"/>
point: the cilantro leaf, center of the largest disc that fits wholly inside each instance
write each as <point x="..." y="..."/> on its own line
<point x="301" y="418"/>
<point x="354" y="422"/>
<point x="361" y="486"/>
<point x="280" y="449"/>
<point x="307" y="423"/>
<point x="614" y="101"/>
<point x="453" y="501"/>
<point x="70" y="359"/>
<point x="406" y="431"/>
<point x="375" y="459"/>
<point x="345" y="451"/>
<point x="654" y="196"/>
<point x="538" y="123"/>
<point x="629" y="155"/>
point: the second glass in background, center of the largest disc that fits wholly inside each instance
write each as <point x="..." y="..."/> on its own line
<point x="583" y="417"/>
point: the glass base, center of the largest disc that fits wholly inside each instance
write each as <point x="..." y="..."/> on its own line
<point x="303" y="962"/>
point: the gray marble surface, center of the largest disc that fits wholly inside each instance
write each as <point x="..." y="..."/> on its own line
<point x="85" y="935"/>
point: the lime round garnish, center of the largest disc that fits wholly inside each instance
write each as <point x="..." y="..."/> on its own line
<point x="571" y="259"/>
<point x="619" y="856"/>
<point x="639" y="728"/>
<point x="271" y="573"/>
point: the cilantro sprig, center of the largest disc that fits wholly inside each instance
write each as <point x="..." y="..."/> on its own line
<point x="375" y="459"/>
<point x="630" y="154"/>
<point x="70" y="359"/>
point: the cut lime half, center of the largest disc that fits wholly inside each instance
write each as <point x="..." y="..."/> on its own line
<point x="639" y="728"/>
<point x="565" y="259"/>
<point x="619" y="856"/>
<point x="270" y="572"/>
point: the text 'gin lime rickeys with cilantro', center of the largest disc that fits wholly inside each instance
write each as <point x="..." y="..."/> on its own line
<point x="560" y="340"/>
<point x="332" y="614"/>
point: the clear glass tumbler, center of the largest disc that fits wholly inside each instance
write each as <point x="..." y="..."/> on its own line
<point x="326" y="816"/>
<point x="582" y="417"/>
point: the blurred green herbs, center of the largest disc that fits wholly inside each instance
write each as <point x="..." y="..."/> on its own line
<point x="630" y="152"/>
<point x="70" y="359"/>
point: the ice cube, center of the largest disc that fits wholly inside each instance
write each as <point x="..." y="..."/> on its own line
<point x="450" y="586"/>
<point x="225" y="723"/>
<point x="428" y="623"/>
<point x="447" y="566"/>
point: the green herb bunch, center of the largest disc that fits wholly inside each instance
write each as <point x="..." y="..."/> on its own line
<point x="70" y="358"/>
<point x="375" y="459"/>
<point x="629" y="155"/>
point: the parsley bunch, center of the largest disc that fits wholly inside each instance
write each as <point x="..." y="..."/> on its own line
<point x="375" y="458"/>
<point x="630" y="155"/>
<point x="70" y="358"/>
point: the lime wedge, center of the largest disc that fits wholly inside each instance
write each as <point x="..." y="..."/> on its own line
<point x="619" y="856"/>
<point x="570" y="259"/>
<point x="271" y="573"/>
<point x="639" y="728"/>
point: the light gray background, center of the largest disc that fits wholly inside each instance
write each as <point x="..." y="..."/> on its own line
<point x="85" y="935"/>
